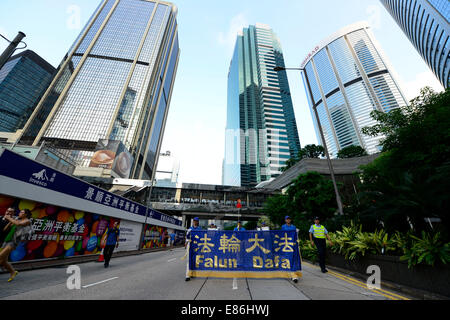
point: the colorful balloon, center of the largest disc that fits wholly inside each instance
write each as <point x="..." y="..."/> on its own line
<point x="26" y="204"/>
<point x="50" y="249"/>
<point x="33" y="245"/>
<point x="70" y="252"/>
<point x="6" y="202"/>
<point x="92" y="243"/>
<point x="51" y="210"/>
<point x="63" y="216"/>
<point x="68" y="244"/>
<point x="59" y="251"/>
<point x="18" y="254"/>
<point x="79" y="215"/>
<point x="102" y="227"/>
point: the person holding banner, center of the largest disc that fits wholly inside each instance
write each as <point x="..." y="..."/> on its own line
<point x="320" y="234"/>
<point x="289" y="227"/>
<point x="239" y="227"/>
<point x="195" y="227"/>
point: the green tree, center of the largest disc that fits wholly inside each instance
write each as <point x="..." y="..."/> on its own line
<point x="310" y="151"/>
<point x="308" y="196"/>
<point x="407" y="183"/>
<point x="352" y="152"/>
<point x="276" y="208"/>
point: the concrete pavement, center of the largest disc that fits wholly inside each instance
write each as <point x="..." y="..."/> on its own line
<point x="160" y="276"/>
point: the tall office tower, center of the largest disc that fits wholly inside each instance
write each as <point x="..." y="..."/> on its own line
<point x="261" y="132"/>
<point x="114" y="85"/>
<point x="346" y="77"/>
<point x="427" y="25"/>
<point x="23" y="81"/>
<point x="168" y="170"/>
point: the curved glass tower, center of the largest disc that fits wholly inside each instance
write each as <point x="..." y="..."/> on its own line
<point x="427" y="25"/>
<point x="115" y="83"/>
<point x="346" y="77"/>
<point x="261" y="133"/>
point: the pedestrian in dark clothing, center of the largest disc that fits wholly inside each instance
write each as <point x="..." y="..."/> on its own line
<point x="111" y="242"/>
<point x="320" y="234"/>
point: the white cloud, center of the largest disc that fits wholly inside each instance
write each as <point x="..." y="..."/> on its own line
<point x="412" y="88"/>
<point x="228" y="39"/>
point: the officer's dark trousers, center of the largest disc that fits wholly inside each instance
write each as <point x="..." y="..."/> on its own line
<point x="107" y="253"/>
<point x="321" y="249"/>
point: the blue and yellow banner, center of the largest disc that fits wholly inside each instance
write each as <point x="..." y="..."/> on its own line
<point x="244" y="254"/>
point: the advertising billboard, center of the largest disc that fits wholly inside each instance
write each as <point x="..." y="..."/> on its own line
<point x="129" y="236"/>
<point x="112" y="154"/>
<point x="58" y="232"/>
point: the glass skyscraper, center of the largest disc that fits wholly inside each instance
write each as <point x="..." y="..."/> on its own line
<point x="346" y="77"/>
<point x="114" y="83"/>
<point x="261" y="132"/>
<point x="427" y="25"/>
<point x="23" y="81"/>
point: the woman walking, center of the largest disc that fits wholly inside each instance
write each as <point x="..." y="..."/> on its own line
<point x="23" y="227"/>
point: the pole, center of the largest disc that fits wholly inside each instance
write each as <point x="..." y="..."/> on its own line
<point x="330" y="164"/>
<point x="141" y="241"/>
<point x="11" y="48"/>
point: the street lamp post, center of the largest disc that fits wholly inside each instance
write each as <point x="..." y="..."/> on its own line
<point x="330" y="164"/>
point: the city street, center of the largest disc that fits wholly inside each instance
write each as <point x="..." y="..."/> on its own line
<point x="160" y="275"/>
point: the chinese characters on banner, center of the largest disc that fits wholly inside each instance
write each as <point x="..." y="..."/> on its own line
<point x="247" y="254"/>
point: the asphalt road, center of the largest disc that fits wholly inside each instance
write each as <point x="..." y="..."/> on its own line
<point x="160" y="276"/>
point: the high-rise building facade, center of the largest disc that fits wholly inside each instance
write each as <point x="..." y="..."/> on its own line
<point x="168" y="170"/>
<point x="115" y="83"/>
<point x="23" y="81"/>
<point x="261" y="132"/>
<point x="427" y="25"/>
<point x="346" y="77"/>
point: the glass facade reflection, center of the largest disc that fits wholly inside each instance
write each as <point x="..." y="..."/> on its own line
<point x="115" y="83"/>
<point x="261" y="133"/>
<point x="427" y="25"/>
<point x="346" y="78"/>
<point x="23" y="81"/>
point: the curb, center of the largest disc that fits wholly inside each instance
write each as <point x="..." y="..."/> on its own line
<point x="413" y="292"/>
<point x="51" y="263"/>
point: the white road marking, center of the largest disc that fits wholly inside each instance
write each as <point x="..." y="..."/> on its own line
<point x="94" y="284"/>
<point x="172" y="260"/>
<point x="235" y="286"/>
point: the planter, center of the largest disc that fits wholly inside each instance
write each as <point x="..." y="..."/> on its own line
<point x="433" y="279"/>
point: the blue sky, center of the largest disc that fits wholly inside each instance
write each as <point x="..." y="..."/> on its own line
<point x="207" y="30"/>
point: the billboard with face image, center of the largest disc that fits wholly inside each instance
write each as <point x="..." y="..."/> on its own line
<point x="112" y="154"/>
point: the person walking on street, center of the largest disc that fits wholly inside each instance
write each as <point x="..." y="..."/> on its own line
<point x="23" y="227"/>
<point x="289" y="227"/>
<point x="111" y="242"/>
<point x="195" y="227"/>
<point x="317" y="236"/>
<point x="172" y="238"/>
